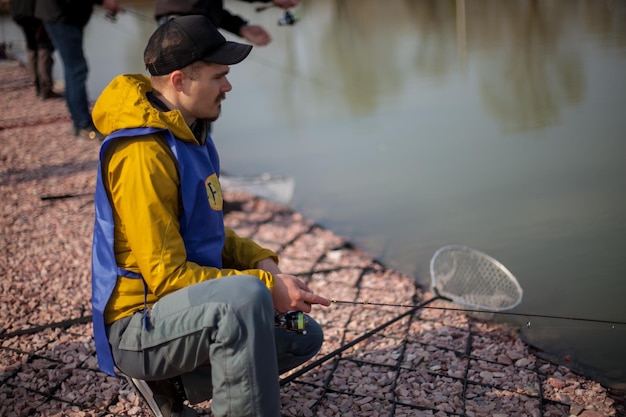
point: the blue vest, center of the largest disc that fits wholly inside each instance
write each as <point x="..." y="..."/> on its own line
<point x="201" y="224"/>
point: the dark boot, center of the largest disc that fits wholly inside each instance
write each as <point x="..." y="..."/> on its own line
<point x="44" y="74"/>
<point x="165" y="398"/>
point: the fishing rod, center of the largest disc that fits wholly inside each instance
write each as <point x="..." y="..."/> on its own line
<point x="288" y="18"/>
<point x="463" y="275"/>
<point x="348" y="345"/>
<point x="112" y="17"/>
<point x="467" y="310"/>
<point x="264" y="8"/>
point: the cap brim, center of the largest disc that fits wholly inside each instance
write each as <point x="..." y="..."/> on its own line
<point x="229" y="54"/>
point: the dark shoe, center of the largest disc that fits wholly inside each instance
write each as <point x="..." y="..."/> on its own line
<point x="89" y="132"/>
<point x="50" y="95"/>
<point x="165" y="398"/>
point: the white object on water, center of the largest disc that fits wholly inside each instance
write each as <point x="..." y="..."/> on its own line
<point x="276" y="188"/>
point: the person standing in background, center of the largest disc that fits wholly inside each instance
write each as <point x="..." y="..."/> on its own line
<point x="39" y="48"/>
<point x="65" y="21"/>
<point x="165" y="10"/>
<point x="220" y="17"/>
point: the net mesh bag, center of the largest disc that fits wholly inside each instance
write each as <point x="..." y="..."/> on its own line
<point x="472" y="278"/>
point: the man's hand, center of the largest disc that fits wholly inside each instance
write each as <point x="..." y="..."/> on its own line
<point x="286" y="4"/>
<point x="112" y="6"/>
<point x="291" y="294"/>
<point x="255" y="34"/>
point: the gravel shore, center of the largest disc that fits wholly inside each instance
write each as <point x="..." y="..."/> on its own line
<point x="430" y="362"/>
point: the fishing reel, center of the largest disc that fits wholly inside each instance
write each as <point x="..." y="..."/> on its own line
<point x="292" y="321"/>
<point x="288" y="19"/>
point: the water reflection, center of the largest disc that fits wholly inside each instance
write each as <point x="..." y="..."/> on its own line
<point x="363" y="55"/>
<point x="425" y="116"/>
<point x="441" y="30"/>
<point x="539" y="68"/>
<point x="526" y="53"/>
<point x="606" y="22"/>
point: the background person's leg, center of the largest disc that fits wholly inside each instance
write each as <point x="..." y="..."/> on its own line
<point x="44" y="73"/>
<point x="45" y="49"/>
<point x="29" y="28"/>
<point x="68" y="40"/>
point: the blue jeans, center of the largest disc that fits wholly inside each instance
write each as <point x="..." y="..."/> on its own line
<point x="68" y="40"/>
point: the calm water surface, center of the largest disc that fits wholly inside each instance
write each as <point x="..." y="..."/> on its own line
<point x="409" y="125"/>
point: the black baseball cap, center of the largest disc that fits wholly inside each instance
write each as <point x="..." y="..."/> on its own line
<point x="187" y="39"/>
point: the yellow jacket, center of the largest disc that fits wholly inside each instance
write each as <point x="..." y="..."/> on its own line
<point x="146" y="217"/>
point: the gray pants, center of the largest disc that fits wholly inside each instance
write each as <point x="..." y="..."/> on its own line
<point x="219" y="337"/>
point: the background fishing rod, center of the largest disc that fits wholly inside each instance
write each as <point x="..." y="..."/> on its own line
<point x="288" y="17"/>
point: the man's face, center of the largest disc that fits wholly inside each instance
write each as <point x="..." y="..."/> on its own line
<point x="205" y="88"/>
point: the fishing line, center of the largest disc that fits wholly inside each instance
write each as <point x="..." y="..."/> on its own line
<point x="466" y="310"/>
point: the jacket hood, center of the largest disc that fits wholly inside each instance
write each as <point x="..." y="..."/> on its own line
<point x="123" y="105"/>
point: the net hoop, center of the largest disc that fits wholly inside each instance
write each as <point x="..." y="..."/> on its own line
<point x="472" y="278"/>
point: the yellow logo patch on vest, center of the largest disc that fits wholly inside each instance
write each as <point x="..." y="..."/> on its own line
<point x="214" y="192"/>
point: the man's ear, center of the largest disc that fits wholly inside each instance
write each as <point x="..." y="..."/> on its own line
<point x="176" y="80"/>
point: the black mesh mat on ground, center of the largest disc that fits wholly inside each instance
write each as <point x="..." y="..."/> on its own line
<point x="427" y="363"/>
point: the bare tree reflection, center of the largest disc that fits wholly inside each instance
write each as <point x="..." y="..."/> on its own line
<point x="365" y="48"/>
<point x="607" y="20"/>
<point x="536" y="69"/>
<point x="527" y="53"/>
<point x="435" y="25"/>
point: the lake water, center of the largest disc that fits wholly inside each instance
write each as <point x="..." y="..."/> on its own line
<point x="410" y="125"/>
